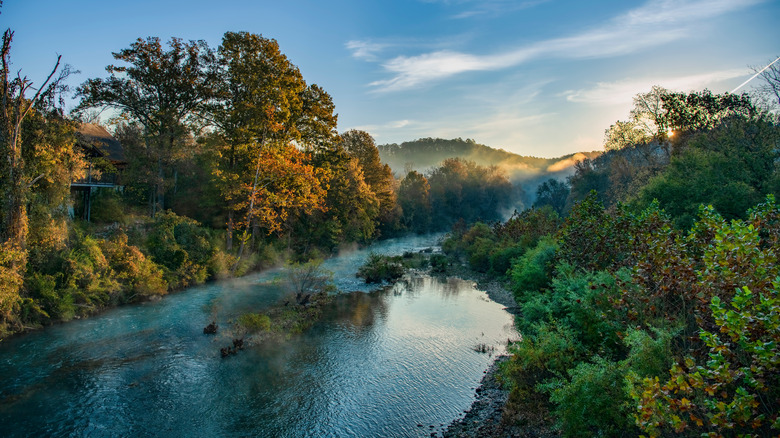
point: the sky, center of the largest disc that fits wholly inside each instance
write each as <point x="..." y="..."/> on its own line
<point x="534" y="77"/>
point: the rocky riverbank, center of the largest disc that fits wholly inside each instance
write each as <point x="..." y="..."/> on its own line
<point x="486" y="417"/>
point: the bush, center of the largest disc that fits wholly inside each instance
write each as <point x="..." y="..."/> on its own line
<point x="309" y="278"/>
<point x="533" y="271"/>
<point x="527" y="227"/>
<point x="220" y="264"/>
<point x="583" y="302"/>
<point x="381" y="268"/>
<point x="51" y="304"/>
<point x="12" y="262"/>
<point x="594" y="402"/>
<point x="254" y="322"/>
<point x="479" y="254"/>
<point x="439" y="263"/>
<point x="650" y="356"/>
<point x="182" y="247"/>
<point x="87" y="276"/>
<point x="501" y="259"/>
<point x="537" y="358"/>
<point x="139" y="276"/>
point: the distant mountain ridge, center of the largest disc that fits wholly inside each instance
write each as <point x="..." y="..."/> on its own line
<point x="426" y="153"/>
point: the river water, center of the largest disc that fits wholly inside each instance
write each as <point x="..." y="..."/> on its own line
<point x="400" y="361"/>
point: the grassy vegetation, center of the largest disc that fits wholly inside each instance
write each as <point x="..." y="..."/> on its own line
<point x="384" y="268"/>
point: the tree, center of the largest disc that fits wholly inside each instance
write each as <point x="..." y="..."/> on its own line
<point x="622" y="135"/>
<point x="261" y="103"/>
<point x="461" y="189"/>
<point x="648" y="112"/>
<point x="730" y="167"/>
<point x="163" y="91"/>
<point x="768" y="92"/>
<point x="686" y="113"/>
<point x="553" y="193"/>
<point x="352" y="208"/>
<point x="415" y="199"/>
<point x="378" y="176"/>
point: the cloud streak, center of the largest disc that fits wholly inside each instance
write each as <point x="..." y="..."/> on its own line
<point x="365" y="50"/>
<point x="496" y="7"/>
<point x="622" y="92"/>
<point x="656" y="23"/>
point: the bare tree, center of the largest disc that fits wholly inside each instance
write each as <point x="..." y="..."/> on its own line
<point x="767" y="94"/>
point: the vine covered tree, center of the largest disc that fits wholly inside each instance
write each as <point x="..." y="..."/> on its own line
<point x="37" y="163"/>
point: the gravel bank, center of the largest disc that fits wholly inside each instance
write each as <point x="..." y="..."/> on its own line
<point x="485" y="418"/>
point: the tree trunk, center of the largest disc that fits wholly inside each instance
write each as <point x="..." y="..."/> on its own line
<point x="229" y="242"/>
<point x="160" y="186"/>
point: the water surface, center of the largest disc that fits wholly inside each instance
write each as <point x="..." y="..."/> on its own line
<point x="377" y="364"/>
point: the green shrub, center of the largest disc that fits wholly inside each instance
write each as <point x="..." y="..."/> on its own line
<point x="439" y="263"/>
<point x="220" y="264"/>
<point x="140" y="277"/>
<point x="52" y="304"/>
<point x="479" y="254"/>
<point x="381" y="268"/>
<point x="528" y="226"/>
<point x="183" y="247"/>
<point x="254" y="322"/>
<point x="87" y="276"/>
<point x="594" y="402"/>
<point x="533" y="271"/>
<point x="501" y="259"/>
<point x="308" y="278"/>
<point x="582" y="302"/>
<point x="537" y="358"/>
<point x="650" y="356"/>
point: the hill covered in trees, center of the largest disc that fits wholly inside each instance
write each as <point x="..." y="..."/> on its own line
<point x="425" y="154"/>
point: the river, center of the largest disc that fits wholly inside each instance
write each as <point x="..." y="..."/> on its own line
<point x="400" y="361"/>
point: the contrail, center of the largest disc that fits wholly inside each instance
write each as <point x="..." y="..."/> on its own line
<point x="754" y="76"/>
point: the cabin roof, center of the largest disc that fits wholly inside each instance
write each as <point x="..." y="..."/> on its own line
<point x="97" y="140"/>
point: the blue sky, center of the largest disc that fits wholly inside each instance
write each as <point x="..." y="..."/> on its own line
<point x="535" y="77"/>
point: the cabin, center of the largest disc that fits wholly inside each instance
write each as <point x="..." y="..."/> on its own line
<point x="106" y="160"/>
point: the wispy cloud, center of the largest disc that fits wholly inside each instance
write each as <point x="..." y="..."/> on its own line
<point x="365" y="49"/>
<point x="623" y="91"/>
<point x="492" y="8"/>
<point x="379" y="129"/>
<point x="655" y="23"/>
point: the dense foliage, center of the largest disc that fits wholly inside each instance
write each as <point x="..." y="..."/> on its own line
<point x="657" y="316"/>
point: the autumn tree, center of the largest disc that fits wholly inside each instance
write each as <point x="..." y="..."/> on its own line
<point x="162" y="90"/>
<point x="262" y="108"/>
<point x="352" y="206"/>
<point x="648" y="113"/>
<point x="377" y="175"/>
<point x="622" y="135"/>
